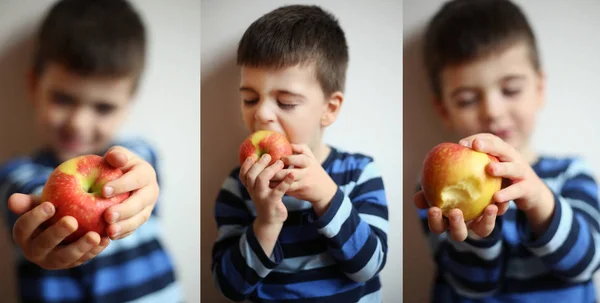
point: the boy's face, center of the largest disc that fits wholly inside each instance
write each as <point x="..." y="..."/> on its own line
<point x="499" y="94"/>
<point x="288" y="100"/>
<point x="78" y="115"/>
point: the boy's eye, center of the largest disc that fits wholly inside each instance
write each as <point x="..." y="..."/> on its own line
<point x="466" y="102"/>
<point x="62" y="99"/>
<point x="510" y="92"/>
<point x="286" y="106"/>
<point x="105" y="109"/>
<point x="250" y="102"/>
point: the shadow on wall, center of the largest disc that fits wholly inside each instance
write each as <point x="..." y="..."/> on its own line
<point x="222" y="132"/>
<point x="16" y="133"/>
<point x="422" y="130"/>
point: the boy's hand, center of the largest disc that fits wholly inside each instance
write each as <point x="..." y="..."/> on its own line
<point x="41" y="246"/>
<point x="140" y="179"/>
<point x="459" y="229"/>
<point x="311" y="181"/>
<point x="528" y="191"/>
<point x="256" y="176"/>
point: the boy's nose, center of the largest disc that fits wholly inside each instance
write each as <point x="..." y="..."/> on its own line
<point x="492" y="108"/>
<point x="264" y="113"/>
<point x="78" y="119"/>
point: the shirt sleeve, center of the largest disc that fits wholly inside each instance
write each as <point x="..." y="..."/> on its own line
<point x="570" y="247"/>
<point x="239" y="264"/>
<point x="473" y="267"/>
<point x="20" y="176"/>
<point x="355" y="226"/>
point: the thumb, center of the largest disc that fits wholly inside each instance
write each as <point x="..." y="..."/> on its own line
<point x="21" y="203"/>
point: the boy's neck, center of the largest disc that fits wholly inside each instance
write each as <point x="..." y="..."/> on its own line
<point x="321" y="152"/>
<point x="529" y="155"/>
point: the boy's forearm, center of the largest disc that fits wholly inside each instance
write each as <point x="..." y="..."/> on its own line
<point x="539" y="217"/>
<point x="267" y="235"/>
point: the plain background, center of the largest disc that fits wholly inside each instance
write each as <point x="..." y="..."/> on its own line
<point x="166" y="113"/>
<point x="567" y="125"/>
<point x="369" y="122"/>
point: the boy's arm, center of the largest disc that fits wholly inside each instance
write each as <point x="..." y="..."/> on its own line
<point x="356" y="224"/>
<point x="239" y="264"/>
<point x="570" y="246"/>
<point x="474" y="267"/>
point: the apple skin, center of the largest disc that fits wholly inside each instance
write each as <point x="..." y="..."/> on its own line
<point x="265" y="142"/>
<point x="75" y="189"/>
<point x="454" y="176"/>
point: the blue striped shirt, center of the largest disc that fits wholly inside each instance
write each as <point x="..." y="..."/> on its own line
<point x="336" y="257"/>
<point x="134" y="269"/>
<point x="511" y="265"/>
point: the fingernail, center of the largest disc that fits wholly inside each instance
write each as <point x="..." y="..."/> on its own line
<point x="48" y="208"/>
<point x="489" y="212"/>
<point x="435" y="213"/>
<point x="114" y="216"/>
<point x="117" y="230"/>
<point x="463" y="142"/>
<point x="266" y="157"/>
<point x="455" y="218"/>
<point x="108" y="191"/>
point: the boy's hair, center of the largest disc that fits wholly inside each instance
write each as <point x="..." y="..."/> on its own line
<point x="464" y="30"/>
<point x="92" y="37"/>
<point x="298" y="34"/>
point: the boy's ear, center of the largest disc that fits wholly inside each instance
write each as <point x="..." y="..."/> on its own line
<point x="441" y="111"/>
<point x="333" y="106"/>
<point x="541" y="89"/>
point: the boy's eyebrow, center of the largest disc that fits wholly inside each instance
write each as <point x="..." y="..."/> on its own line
<point x="247" y="89"/>
<point x="287" y="92"/>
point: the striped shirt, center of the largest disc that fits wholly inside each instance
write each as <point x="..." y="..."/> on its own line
<point x="134" y="269"/>
<point x="511" y="265"/>
<point x="336" y="257"/>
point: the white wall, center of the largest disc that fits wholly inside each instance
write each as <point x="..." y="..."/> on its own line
<point x="169" y="94"/>
<point x="370" y="120"/>
<point x="568" y="124"/>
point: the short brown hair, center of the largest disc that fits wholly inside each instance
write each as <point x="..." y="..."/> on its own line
<point x="298" y="34"/>
<point x="92" y="37"/>
<point x="463" y="30"/>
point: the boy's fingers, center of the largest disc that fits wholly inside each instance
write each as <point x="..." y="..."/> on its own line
<point x="256" y="169"/>
<point x="71" y="253"/>
<point x="118" y="230"/>
<point x="513" y="192"/>
<point x="92" y="253"/>
<point x="263" y="179"/>
<point x="116" y="158"/>
<point x="485" y="226"/>
<point x="47" y="240"/>
<point x="27" y="223"/>
<point x="245" y="168"/>
<point x="508" y="170"/>
<point x="131" y="206"/>
<point x="436" y="221"/>
<point x="301" y="149"/>
<point x="299" y="161"/>
<point x="495" y="146"/>
<point x="134" y="179"/>
<point x="502" y="208"/>
<point x="419" y="199"/>
<point x="284" y="186"/>
<point x="458" y="228"/>
<point x="21" y="203"/>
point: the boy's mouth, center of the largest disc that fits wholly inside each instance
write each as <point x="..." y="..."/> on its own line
<point x="503" y="133"/>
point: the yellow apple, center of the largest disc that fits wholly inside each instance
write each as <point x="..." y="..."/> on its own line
<point x="455" y="176"/>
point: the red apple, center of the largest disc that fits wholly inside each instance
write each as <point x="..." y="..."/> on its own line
<point x="265" y="142"/>
<point x="75" y="189"/>
<point x="454" y="176"/>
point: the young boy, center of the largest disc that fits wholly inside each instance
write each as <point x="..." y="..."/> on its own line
<point x="88" y="61"/>
<point x="317" y="231"/>
<point x="540" y="239"/>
